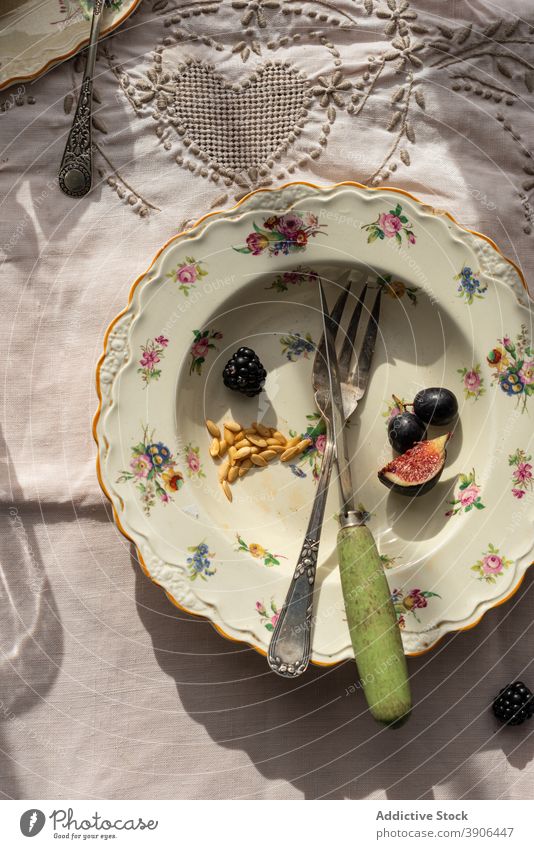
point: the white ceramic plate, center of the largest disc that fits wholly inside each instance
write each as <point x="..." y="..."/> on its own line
<point x="37" y="34"/>
<point x="451" y="299"/>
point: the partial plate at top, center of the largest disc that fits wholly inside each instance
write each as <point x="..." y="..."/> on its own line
<point x="37" y="34"/>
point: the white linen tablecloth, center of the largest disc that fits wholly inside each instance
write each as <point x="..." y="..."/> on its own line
<point x="106" y="690"/>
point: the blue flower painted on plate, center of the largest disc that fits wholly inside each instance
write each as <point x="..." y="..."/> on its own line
<point x="469" y="286"/>
<point x="294" y="345"/>
<point x="200" y="563"/>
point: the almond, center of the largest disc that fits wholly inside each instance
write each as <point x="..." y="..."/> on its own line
<point x="243" y="443"/>
<point x="223" y="447"/>
<point x="214" y="447"/>
<point x="268" y="455"/>
<point x="227" y="491"/>
<point x="289" y="453"/>
<point x="293" y="441"/>
<point x="229" y="436"/>
<point x="232" y="474"/>
<point x="233" y="426"/>
<point x="303" y="444"/>
<point x="280" y="437"/>
<point x="257" y="440"/>
<point x="242" y="453"/>
<point x="223" y="471"/>
<point x="261" y="429"/>
<point x="213" y="428"/>
<point x="258" y="460"/>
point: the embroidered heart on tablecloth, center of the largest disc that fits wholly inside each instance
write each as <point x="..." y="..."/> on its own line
<point x="239" y="126"/>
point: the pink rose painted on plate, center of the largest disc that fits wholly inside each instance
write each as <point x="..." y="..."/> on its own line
<point x="473" y="382"/>
<point x="390" y="225"/>
<point x="187" y="274"/>
<point x="204" y="341"/>
<point x="192" y="461"/>
<point x="491" y="565"/>
<point x="467" y="497"/>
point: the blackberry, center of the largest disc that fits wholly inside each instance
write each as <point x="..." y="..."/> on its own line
<point x="514" y="704"/>
<point x="244" y="372"/>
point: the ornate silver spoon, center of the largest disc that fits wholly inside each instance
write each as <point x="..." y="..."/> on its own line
<point x="76" y="170"/>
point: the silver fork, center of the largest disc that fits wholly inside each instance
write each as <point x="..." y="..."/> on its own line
<point x="290" y="646"/>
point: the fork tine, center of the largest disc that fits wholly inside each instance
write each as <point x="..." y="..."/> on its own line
<point x="360" y="371"/>
<point x="335" y="319"/>
<point x="347" y="349"/>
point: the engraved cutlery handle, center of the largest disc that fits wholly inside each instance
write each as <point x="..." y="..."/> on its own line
<point x="76" y="170"/>
<point x="290" y="646"/>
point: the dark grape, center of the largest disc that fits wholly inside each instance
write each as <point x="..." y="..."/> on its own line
<point x="404" y="430"/>
<point x="435" y="406"/>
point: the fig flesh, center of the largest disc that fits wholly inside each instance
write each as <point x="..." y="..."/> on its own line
<point x="418" y="469"/>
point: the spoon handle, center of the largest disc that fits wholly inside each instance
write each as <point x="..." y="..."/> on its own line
<point x="76" y="170"/>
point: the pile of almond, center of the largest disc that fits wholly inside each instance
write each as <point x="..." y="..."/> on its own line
<point x="240" y="448"/>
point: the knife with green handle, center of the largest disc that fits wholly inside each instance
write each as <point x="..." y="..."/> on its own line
<point x="371" y="617"/>
<point x="373" y="627"/>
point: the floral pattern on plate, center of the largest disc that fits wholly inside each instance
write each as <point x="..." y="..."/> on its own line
<point x="522" y="474"/>
<point x="390" y="225"/>
<point x="282" y="234"/>
<point x="269" y="616"/>
<point x="199" y="562"/>
<point x="259" y="552"/>
<point x="467" y="497"/>
<point x="153" y="351"/>
<point x="396" y="289"/>
<point x="407" y="603"/>
<point x="153" y="471"/>
<point x="188" y="273"/>
<point x="469" y="285"/>
<point x="204" y="341"/>
<point x="473" y="382"/>
<point x="491" y="565"/>
<point x="299" y="275"/>
<point x="294" y="345"/>
<point x="514" y="366"/>
<point x="313" y="454"/>
<point x="192" y="461"/>
<point x="388" y="562"/>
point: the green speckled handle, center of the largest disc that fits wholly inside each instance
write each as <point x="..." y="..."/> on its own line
<point x="372" y="622"/>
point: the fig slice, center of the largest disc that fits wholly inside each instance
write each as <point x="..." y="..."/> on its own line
<point x="418" y="469"/>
